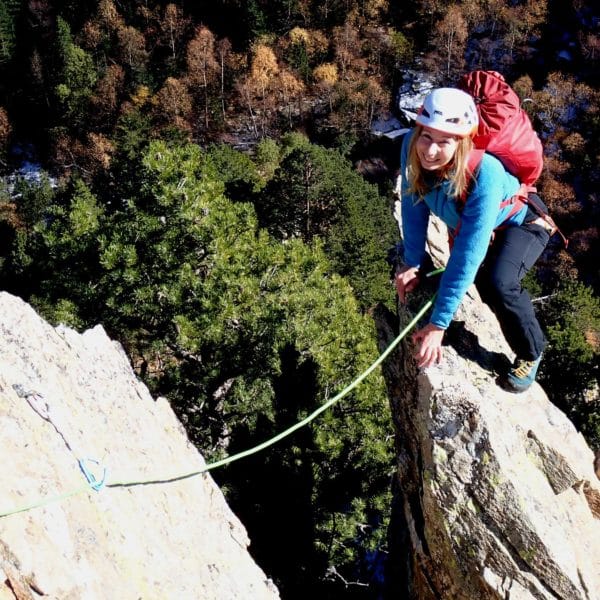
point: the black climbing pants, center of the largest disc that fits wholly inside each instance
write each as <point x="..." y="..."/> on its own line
<point x="512" y="253"/>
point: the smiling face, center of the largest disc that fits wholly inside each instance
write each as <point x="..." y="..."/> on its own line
<point x="435" y="150"/>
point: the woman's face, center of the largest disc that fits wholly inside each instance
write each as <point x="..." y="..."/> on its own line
<point x="434" y="149"/>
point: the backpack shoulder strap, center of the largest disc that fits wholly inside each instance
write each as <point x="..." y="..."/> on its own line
<point x="473" y="161"/>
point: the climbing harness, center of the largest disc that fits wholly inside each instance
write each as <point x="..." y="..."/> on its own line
<point x="42" y="408"/>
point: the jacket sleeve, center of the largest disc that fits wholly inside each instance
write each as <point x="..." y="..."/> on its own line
<point x="477" y="223"/>
<point x="415" y="216"/>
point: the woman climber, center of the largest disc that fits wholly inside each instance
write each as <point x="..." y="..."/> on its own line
<point x="493" y="245"/>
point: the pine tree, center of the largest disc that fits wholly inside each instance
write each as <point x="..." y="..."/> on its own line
<point x="75" y="79"/>
<point x="316" y="193"/>
<point x="571" y="366"/>
<point x="9" y="10"/>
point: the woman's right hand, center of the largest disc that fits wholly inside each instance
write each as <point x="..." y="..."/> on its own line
<point x="407" y="279"/>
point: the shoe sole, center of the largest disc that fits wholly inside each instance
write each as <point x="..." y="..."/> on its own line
<point x="509" y="387"/>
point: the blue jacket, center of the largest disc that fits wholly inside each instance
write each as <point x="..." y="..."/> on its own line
<point x="480" y="215"/>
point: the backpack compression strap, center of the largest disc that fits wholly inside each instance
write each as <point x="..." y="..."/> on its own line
<point x="526" y="195"/>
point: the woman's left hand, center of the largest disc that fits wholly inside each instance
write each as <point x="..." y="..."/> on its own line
<point x="429" y="340"/>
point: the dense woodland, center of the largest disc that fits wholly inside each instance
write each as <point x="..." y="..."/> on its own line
<point x="199" y="199"/>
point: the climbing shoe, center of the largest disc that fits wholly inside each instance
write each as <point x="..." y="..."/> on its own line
<point x="521" y="375"/>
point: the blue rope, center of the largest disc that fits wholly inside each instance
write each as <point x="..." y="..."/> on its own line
<point x="91" y="478"/>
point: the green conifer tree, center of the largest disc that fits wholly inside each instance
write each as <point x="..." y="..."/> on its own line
<point x="9" y="10"/>
<point x="75" y="78"/>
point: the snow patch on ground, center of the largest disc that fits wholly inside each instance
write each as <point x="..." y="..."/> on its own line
<point x="29" y="170"/>
<point x="415" y="86"/>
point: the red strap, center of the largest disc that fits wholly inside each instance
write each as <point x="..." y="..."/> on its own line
<point x="473" y="161"/>
<point x="518" y="201"/>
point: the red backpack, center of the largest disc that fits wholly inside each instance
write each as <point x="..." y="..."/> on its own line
<point x="504" y="127"/>
<point x="505" y="131"/>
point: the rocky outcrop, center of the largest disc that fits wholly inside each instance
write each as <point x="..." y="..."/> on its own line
<point x="65" y="398"/>
<point x="496" y="492"/>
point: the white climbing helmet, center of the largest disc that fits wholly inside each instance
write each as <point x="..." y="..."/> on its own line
<point x="449" y="110"/>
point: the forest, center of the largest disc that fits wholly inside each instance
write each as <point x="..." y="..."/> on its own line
<point x="197" y="194"/>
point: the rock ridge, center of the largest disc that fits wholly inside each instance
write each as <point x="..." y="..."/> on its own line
<point x="496" y="493"/>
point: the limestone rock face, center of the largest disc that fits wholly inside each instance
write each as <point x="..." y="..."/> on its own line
<point x="65" y="397"/>
<point x="497" y="493"/>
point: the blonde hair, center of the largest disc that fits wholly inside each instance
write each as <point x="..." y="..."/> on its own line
<point x="457" y="171"/>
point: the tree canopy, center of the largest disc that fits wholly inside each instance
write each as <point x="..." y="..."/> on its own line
<point x="244" y="335"/>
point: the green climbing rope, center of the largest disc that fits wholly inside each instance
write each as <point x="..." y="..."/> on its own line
<point x="296" y="426"/>
<point x="250" y="451"/>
